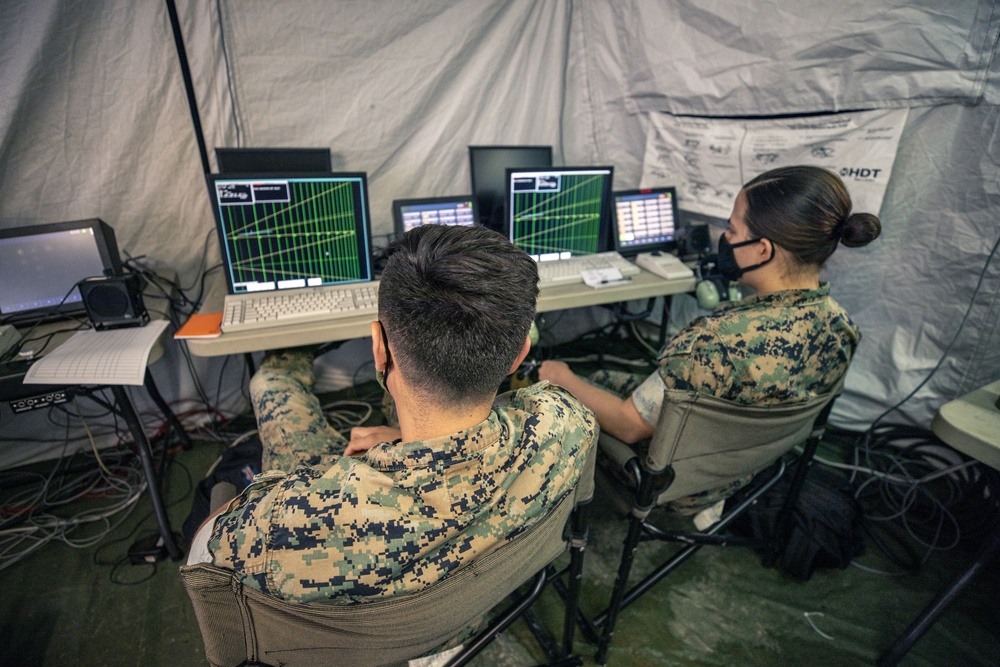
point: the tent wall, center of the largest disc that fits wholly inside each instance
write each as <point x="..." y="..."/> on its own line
<point x="94" y="122"/>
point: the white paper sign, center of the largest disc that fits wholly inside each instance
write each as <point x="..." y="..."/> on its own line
<point x="709" y="159"/>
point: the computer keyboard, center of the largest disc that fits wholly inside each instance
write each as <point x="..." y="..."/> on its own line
<point x="567" y="271"/>
<point x="315" y="304"/>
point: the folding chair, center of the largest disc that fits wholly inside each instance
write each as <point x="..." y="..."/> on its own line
<point x="701" y="442"/>
<point x="243" y="626"/>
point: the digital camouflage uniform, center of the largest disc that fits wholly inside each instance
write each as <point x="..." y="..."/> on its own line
<point x="782" y="347"/>
<point x="322" y="527"/>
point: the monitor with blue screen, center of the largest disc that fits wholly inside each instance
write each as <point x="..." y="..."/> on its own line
<point x="408" y="214"/>
<point x="645" y="220"/>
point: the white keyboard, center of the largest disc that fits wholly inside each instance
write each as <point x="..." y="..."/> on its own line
<point x="313" y="304"/>
<point x="567" y="271"/>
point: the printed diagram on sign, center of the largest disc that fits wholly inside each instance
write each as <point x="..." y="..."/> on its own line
<point x="822" y="152"/>
<point x="708" y="159"/>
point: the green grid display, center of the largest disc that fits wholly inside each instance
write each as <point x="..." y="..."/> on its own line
<point x="312" y="235"/>
<point x="566" y="220"/>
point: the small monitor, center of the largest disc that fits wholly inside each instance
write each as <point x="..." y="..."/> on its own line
<point x="408" y="214"/>
<point x="488" y="167"/>
<point x="645" y="220"/>
<point x="273" y="160"/>
<point x="41" y="264"/>
<point x="559" y="212"/>
<point x="281" y="231"/>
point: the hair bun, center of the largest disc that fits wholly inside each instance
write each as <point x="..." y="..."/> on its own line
<point x="860" y="229"/>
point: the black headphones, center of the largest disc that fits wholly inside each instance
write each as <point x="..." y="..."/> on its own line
<point x="712" y="288"/>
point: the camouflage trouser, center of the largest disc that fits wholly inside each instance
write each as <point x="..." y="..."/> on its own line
<point x="293" y="429"/>
<point x="624" y="384"/>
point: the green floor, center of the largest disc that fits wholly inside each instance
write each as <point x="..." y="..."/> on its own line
<point x="59" y="608"/>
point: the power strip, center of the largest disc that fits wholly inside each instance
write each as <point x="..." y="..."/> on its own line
<point x="39" y="401"/>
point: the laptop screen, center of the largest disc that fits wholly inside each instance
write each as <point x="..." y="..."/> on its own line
<point x="559" y="212"/>
<point x="41" y="264"/>
<point x="285" y="232"/>
<point x="645" y="220"/>
<point x="408" y="214"/>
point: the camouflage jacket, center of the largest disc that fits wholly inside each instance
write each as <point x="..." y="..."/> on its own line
<point x="781" y="347"/>
<point x="341" y="529"/>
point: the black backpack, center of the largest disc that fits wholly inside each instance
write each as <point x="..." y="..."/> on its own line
<point x="825" y="527"/>
<point x="237" y="465"/>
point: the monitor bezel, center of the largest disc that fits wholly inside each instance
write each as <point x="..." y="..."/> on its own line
<point x="658" y="246"/>
<point x="399" y="204"/>
<point x="495" y="217"/>
<point x="212" y="179"/>
<point x="256" y="160"/>
<point x="107" y="249"/>
<point x="604" y="232"/>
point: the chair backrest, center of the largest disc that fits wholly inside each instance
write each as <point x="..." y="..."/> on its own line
<point x="241" y="625"/>
<point x="710" y="441"/>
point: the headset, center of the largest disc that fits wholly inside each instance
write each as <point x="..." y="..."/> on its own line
<point x="712" y="288"/>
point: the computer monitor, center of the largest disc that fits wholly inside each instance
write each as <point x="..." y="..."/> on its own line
<point x="559" y="212"/>
<point x="273" y="160"/>
<point x="488" y="167"/>
<point x="41" y="264"/>
<point x="281" y="231"/>
<point x="408" y="214"/>
<point x="645" y="220"/>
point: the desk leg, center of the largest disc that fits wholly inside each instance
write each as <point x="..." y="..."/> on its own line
<point x="989" y="551"/>
<point x="146" y="458"/>
<point x="172" y="420"/>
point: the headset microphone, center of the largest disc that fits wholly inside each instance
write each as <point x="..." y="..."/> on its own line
<point x="712" y="288"/>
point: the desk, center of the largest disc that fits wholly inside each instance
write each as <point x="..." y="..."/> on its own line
<point x="642" y="286"/>
<point x="970" y="424"/>
<point x="15" y="392"/>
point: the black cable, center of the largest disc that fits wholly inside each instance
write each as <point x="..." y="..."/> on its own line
<point x="951" y="343"/>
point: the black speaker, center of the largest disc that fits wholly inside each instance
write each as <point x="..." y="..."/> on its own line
<point x="114" y="301"/>
<point x="694" y="239"/>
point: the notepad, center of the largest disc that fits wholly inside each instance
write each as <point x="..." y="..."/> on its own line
<point x="115" y="356"/>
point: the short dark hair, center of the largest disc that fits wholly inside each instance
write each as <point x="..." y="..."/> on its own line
<point x="456" y="303"/>
<point x="807" y="211"/>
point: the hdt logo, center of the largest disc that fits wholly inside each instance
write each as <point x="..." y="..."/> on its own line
<point x="860" y="173"/>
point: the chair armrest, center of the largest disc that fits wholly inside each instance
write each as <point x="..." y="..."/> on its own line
<point x="623" y="456"/>
<point x="616" y="450"/>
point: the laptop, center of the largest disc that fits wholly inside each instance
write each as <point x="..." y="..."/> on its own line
<point x="40" y="266"/>
<point x="290" y="240"/>
<point x="409" y="214"/>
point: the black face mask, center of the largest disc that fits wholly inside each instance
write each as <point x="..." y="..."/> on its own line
<point x="727" y="265"/>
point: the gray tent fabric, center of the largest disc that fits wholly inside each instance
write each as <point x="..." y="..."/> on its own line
<point x="94" y="123"/>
